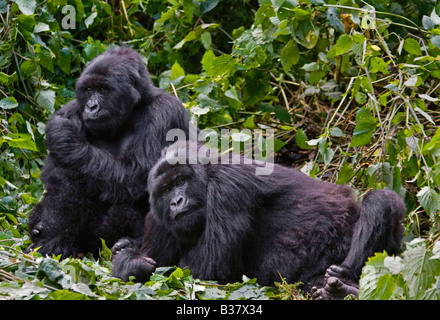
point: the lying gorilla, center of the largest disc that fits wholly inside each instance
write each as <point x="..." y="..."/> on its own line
<point x="222" y="221"/>
<point x="102" y="146"/>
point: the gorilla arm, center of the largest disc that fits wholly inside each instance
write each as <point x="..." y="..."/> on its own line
<point x="229" y="213"/>
<point x="67" y="143"/>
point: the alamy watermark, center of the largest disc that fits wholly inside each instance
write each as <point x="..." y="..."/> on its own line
<point x="257" y="147"/>
<point x="69" y="20"/>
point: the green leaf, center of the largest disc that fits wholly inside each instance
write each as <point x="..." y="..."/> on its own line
<point x="360" y="98"/>
<point x="207" y="60"/>
<point x="46" y="59"/>
<point x="8" y="79"/>
<point x="46" y="100"/>
<point x="8" y="103"/>
<point x="51" y="269"/>
<point x="336" y="132"/>
<point x="385" y="287"/>
<point x="208" y="5"/>
<point x="435" y="40"/>
<point x="414" y="81"/>
<point x="92" y="48"/>
<point x="41" y="27"/>
<point x="419" y="271"/>
<point x="232" y="93"/>
<point x="222" y="65"/>
<point x="278" y="144"/>
<point x="105" y="253"/>
<point x="436" y="250"/>
<point x="371" y="273"/>
<point x="326" y="152"/>
<point x="315" y="77"/>
<point x="21" y="140"/>
<point x="290" y="55"/>
<point x="365" y="126"/>
<point x="344" y="43"/>
<point x="188" y="9"/>
<point x="434" y="144"/>
<point x="312" y="66"/>
<point x="257" y="86"/>
<point x="64" y="60"/>
<point x="89" y="20"/>
<point x="191" y="36"/>
<point x="378" y="65"/>
<point x="67" y="295"/>
<point x="427" y="23"/>
<point x="333" y="19"/>
<point x="164" y="17"/>
<point x="299" y="14"/>
<point x="27" y="68"/>
<point x="177" y="71"/>
<point x="282" y="114"/>
<point x="206" y="40"/>
<point x="412" y="46"/>
<point x="368" y="20"/>
<point x="435" y="18"/>
<point x="430" y="200"/>
<point x="345" y="174"/>
<point x="249" y="123"/>
<point x="27" y="7"/>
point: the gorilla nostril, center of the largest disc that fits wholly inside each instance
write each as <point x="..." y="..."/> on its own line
<point x="92" y="107"/>
<point x="176" y="203"/>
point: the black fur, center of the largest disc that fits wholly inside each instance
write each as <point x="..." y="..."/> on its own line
<point x="102" y="146"/>
<point x="235" y="222"/>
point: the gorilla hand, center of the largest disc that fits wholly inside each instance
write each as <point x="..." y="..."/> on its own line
<point x="65" y="139"/>
<point x="139" y="266"/>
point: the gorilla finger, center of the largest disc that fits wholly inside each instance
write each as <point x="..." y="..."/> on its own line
<point x="150" y="261"/>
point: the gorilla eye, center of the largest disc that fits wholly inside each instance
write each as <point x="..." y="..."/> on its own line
<point x="102" y="90"/>
<point x="165" y="190"/>
<point x="181" y="182"/>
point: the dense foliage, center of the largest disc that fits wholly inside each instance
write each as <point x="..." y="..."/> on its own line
<point x="351" y="88"/>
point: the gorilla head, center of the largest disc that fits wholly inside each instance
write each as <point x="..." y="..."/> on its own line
<point x="109" y="88"/>
<point x="178" y="193"/>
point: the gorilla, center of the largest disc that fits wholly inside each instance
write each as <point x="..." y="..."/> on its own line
<point x="222" y="221"/>
<point x="102" y="146"/>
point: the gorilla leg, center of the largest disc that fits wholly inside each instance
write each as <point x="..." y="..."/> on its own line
<point x="378" y="228"/>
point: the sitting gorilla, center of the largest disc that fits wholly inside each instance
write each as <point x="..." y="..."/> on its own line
<point x="102" y="146"/>
<point x="222" y="221"/>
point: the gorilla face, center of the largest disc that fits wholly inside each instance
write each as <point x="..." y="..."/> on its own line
<point x="179" y="200"/>
<point x="54" y="236"/>
<point x="108" y="96"/>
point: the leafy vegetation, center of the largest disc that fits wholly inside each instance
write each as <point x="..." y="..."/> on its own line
<point x="351" y="88"/>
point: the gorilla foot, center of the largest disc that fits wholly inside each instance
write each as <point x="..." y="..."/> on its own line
<point x="337" y="286"/>
<point x="122" y="244"/>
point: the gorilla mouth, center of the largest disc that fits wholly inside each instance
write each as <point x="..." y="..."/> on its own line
<point x="179" y="215"/>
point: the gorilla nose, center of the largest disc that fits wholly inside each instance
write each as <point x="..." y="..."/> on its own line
<point x="177" y="204"/>
<point x="92" y="108"/>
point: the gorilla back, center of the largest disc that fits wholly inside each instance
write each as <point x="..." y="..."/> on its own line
<point x="102" y="146"/>
<point x="223" y="221"/>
